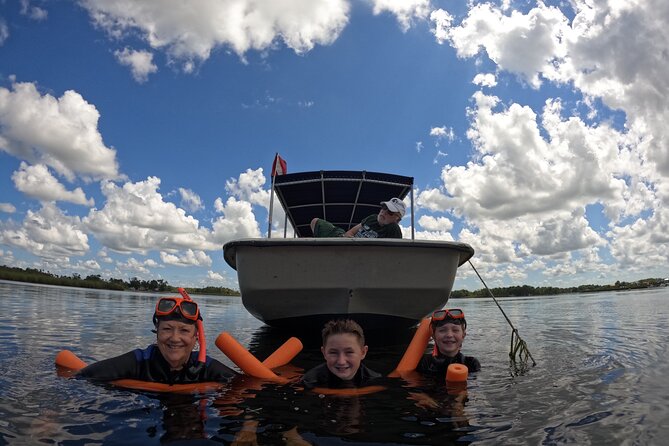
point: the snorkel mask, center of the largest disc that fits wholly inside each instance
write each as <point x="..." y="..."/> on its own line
<point x="184" y="309"/>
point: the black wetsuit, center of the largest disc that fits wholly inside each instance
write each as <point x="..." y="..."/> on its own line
<point x="437" y="365"/>
<point x="149" y="365"/>
<point x="321" y="376"/>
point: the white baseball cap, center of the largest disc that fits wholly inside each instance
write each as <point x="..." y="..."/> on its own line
<point x="395" y="205"/>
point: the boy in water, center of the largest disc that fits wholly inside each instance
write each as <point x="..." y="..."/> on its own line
<point x="449" y="329"/>
<point x="343" y="349"/>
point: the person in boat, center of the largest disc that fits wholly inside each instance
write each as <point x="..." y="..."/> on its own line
<point x="385" y="224"/>
<point x="343" y="349"/>
<point x="171" y="360"/>
<point x="449" y="328"/>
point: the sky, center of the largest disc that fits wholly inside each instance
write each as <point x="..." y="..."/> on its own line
<point x="137" y="136"/>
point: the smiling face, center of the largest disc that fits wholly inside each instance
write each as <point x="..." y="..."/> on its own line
<point x="343" y="353"/>
<point x="176" y="341"/>
<point x="449" y="338"/>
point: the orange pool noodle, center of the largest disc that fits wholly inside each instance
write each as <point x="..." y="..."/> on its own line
<point x="284" y="354"/>
<point x="351" y="391"/>
<point x="416" y="348"/>
<point x="243" y="358"/>
<point x="457" y="373"/>
<point x="69" y="360"/>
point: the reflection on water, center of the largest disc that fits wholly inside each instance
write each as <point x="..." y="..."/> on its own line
<point x="601" y="377"/>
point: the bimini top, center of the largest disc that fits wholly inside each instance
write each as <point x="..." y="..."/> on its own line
<point x="341" y="197"/>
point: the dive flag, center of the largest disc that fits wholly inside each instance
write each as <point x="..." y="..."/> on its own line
<point x="279" y="166"/>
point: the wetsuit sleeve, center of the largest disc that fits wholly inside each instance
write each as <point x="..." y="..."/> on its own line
<point x="472" y="364"/>
<point x="314" y="377"/>
<point x="217" y="371"/>
<point x="424" y="364"/>
<point x="120" y="367"/>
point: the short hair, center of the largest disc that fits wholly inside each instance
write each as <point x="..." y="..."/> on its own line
<point x="343" y="326"/>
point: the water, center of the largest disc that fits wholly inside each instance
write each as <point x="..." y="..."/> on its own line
<point x="600" y="378"/>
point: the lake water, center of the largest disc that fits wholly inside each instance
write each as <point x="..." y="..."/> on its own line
<point x="601" y="377"/>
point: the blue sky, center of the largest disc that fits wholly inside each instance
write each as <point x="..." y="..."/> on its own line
<point x="136" y="137"/>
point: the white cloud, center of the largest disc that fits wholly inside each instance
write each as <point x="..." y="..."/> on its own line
<point x="238" y="221"/>
<point x="34" y="12"/>
<point x="249" y="187"/>
<point x="211" y="275"/>
<point x="48" y="233"/>
<point x="419" y="146"/>
<point x="4" y="31"/>
<point x="190" y="200"/>
<point x="406" y="11"/>
<point x="443" y="133"/>
<point x="190" y="31"/>
<point x="37" y="182"/>
<point x="60" y="133"/>
<point x="485" y="80"/>
<point x="525" y="44"/>
<point x="189" y="258"/>
<point x="136" y="218"/>
<point x="134" y="266"/>
<point x="140" y="63"/>
<point x="7" y="207"/>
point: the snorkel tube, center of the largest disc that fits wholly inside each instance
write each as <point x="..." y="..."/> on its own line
<point x="202" y="356"/>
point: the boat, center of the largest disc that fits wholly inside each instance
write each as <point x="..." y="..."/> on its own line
<point x="301" y="282"/>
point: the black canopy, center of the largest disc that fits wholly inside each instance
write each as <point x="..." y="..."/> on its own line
<point x="341" y="197"/>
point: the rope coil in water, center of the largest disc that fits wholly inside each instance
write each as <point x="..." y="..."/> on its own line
<point x="518" y="346"/>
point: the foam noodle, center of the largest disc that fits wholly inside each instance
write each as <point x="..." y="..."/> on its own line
<point x="284" y="354"/>
<point x="457" y="373"/>
<point x="415" y="350"/>
<point x="351" y="391"/>
<point x="148" y="386"/>
<point x="68" y="360"/>
<point x="243" y="358"/>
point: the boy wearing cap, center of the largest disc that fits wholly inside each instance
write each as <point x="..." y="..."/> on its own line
<point x="385" y="224"/>
<point x="449" y="329"/>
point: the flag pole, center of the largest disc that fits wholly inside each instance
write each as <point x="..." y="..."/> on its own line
<point x="271" y="197"/>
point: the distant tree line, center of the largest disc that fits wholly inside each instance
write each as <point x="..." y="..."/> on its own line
<point x="96" y="281"/>
<point x="527" y="290"/>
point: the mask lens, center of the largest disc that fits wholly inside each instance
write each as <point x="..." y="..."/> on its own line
<point x="166" y="305"/>
<point x="439" y="315"/>
<point x="189" y="309"/>
<point x="456" y="312"/>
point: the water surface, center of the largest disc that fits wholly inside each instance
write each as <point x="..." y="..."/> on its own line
<point x="600" y="377"/>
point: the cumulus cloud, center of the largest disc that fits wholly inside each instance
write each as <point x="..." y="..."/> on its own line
<point x="134" y="266"/>
<point x="406" y="11"/>
<point x="136" y="218"/>
<point x="7" y="207"/>
<point x="48" y="233"/>
<point x="190" y="31"/>
<point x="525" y="44"/>
<point x="485" y="80"/>
<point x="140" y="63"/>
<point x="60" y="132"/>
<point x="189" y="258"/>
<point x="211" y="275"/>
<point x="238" y="220"/>
<point x="249" y="187"/>
<point x="37" y="182"/>
<point x="190" y="200"/>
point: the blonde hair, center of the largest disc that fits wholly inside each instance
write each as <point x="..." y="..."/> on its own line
<point x="343" y="326"/>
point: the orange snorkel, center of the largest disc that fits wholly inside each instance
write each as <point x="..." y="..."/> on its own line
<point x="202" y="356"/>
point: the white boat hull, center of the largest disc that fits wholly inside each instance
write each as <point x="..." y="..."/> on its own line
<point x="284" y="282"/>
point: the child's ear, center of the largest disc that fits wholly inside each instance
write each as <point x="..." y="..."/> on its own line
<point x="364" y="351"/>
<point x="323" y="351"/>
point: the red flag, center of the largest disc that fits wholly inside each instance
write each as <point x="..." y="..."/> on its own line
<point x="279" y="166"/>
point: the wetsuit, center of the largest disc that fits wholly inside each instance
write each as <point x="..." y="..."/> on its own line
<point x="149" y="365"/>
<point x="437" y="365"/>
<point x="321" y="376"/>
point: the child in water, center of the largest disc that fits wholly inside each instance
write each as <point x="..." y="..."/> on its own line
<point x="449" y="329"/>
<point x="343" y="349"/>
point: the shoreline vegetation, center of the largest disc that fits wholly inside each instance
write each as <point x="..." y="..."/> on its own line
<point x="134" y="284"/>
<point x="95" y="281"/>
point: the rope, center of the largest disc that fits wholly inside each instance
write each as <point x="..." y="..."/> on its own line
<point x="518" y="346"/>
